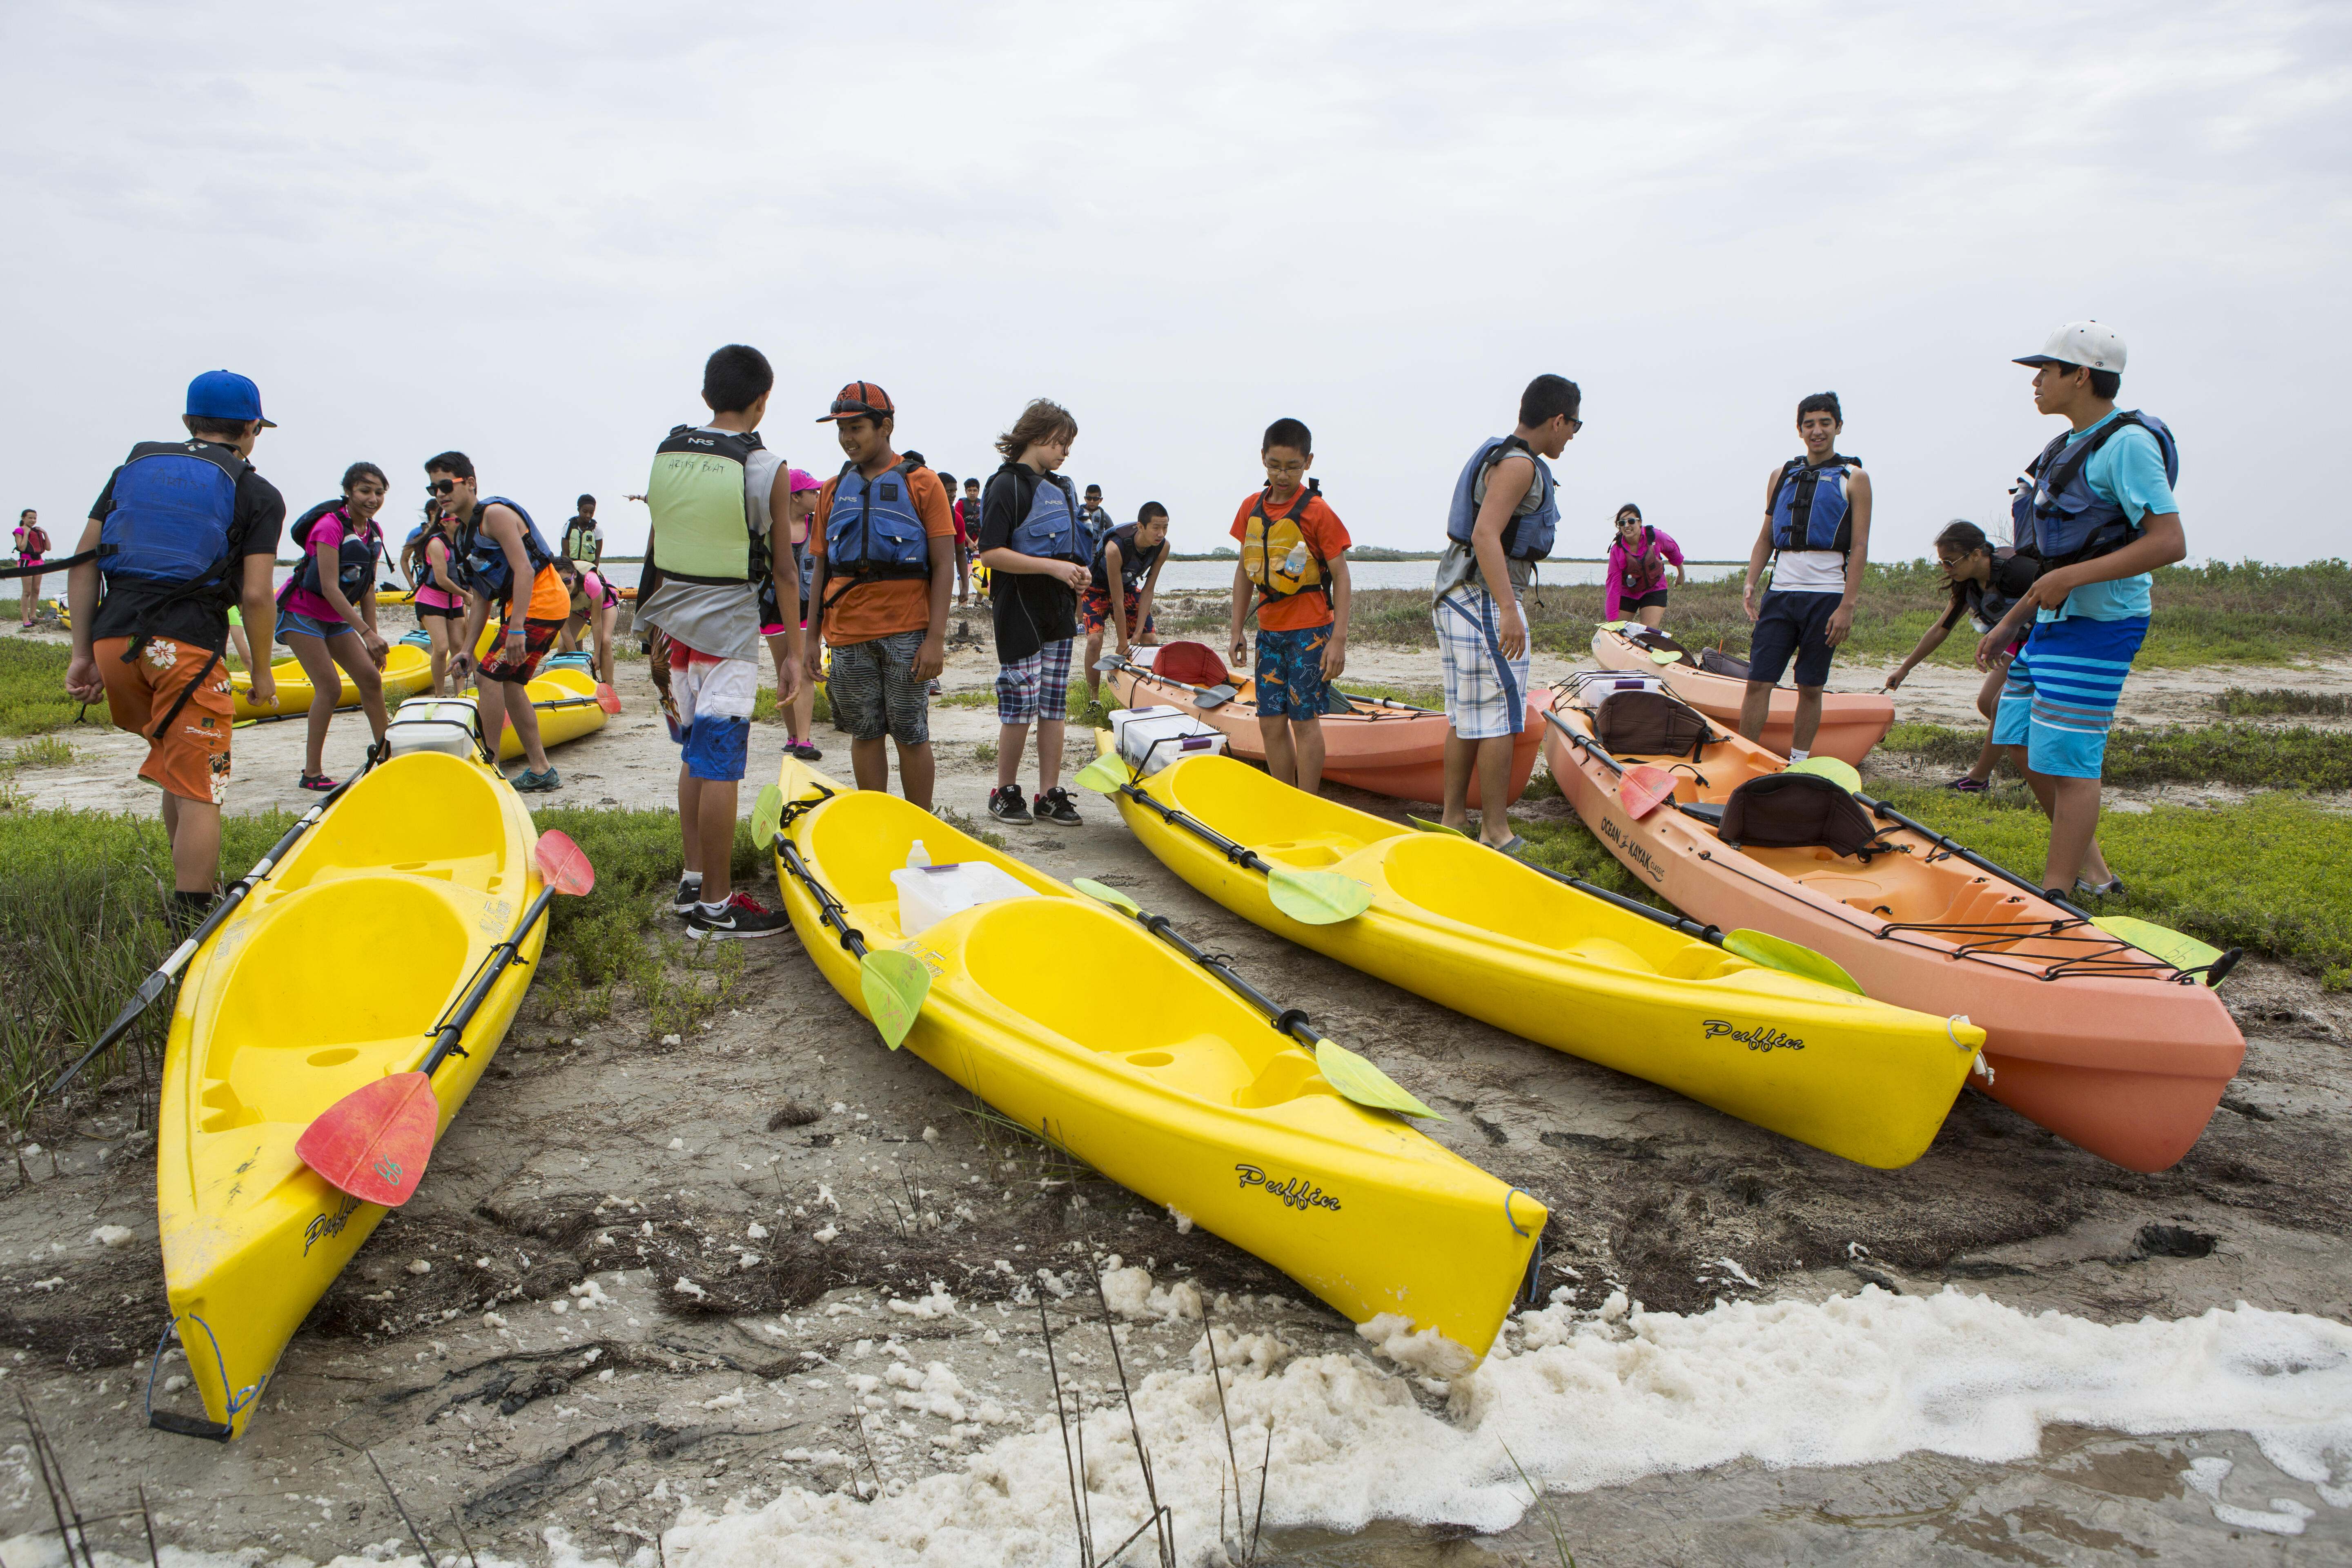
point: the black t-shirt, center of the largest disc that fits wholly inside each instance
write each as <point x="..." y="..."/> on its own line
<point x="255" y="525"/>
<point x="1030" y="609"/>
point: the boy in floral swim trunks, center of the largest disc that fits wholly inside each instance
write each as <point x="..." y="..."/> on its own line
<point x="1294" y="561"/>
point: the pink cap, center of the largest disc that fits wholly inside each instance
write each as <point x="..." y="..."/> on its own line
<point x="804" y="480"/>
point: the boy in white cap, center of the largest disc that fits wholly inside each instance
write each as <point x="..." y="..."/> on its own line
<point x="2096" y="510"/>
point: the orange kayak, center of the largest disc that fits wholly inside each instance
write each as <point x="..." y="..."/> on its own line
<point x="2111" y="1048"/>
<point x="1851" y="721"/>
<point x="1389" y="748"/>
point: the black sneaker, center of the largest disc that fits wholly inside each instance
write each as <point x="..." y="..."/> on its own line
<point x="805" y="751"/>
<point x="1055" y="805"/>
<point x="689" y="894"/>
<point x="1005" y="804"/>
<point x="740" y="921"/>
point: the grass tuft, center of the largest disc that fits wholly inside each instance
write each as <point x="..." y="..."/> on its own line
<point x="2245" y="755"/>
<point x="33" y="687"/>
<point x="2238" y="702"/>
<point x="43" y="751"/>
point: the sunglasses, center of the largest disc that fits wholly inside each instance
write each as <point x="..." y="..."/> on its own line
<point x="439" y="487"/>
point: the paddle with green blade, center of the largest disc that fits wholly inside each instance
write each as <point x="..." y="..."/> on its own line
<point x="2195" y="960"/>
<point x="893" y="984"/>
<point x="1355" y="1077"/>
<point x="374" y="1142"/>
<point x="1755" y="946"/>
<point x="1310" y="898"/>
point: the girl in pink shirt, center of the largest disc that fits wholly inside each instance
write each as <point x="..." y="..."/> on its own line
<point x="1638" y="558"/>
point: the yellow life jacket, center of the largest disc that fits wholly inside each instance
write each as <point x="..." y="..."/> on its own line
<point x="1277" y="553"/>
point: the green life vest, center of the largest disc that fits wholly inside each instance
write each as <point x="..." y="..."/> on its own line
<point x="702" y="525"/>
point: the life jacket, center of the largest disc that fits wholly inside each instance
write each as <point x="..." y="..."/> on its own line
<point x="2012" y="573"/>
<point x="168" y="535"/>
<point x="478" y="561"/>
<point x="1809" y="514"/>
<point x="579" y="534"/>
<point x="416" y="558"/>
<point x="355" y="560"/>
<point x="1528" y="536"/>
<point x="873" y="532"/>
<point x="1097" y="524"/>
<point x="37" y="542"/>
<point x="702" y="521"/>
<point x="1277" y="553"/>
<point x="1134" y="560"/>
<point x="1645" y="567"/>
<point x="1052" y="527"/>
<point x="591" y="590"/>
<point x="2057" y="518"/>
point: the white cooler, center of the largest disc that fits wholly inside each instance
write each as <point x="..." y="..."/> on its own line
<point x="1152" y="738"/>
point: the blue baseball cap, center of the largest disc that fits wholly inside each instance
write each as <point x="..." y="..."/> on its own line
<point x="224" y="395"/>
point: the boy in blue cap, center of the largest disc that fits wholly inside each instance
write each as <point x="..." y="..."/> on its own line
<point x="2095" y="511"/>
<point x="188" y="529"/>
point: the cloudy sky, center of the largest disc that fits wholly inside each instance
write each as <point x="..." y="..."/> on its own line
<point x="518" y="230"/>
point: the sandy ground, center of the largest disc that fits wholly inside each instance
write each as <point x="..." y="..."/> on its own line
<point x="495" y="1395"/>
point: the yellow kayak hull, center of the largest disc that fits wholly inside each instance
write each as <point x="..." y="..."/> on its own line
<point x="429" y="857"/>
<point x="565" y="699"/>
<point x="1474" y="931"/>
<point x="408" y="670"/>
<point x="1082" y="1027"/>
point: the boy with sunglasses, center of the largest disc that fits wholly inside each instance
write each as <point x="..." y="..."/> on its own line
<point x="500" y="559"/>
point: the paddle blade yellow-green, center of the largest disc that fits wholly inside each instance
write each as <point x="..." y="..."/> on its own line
<point x="1789" y="958"/>
<point x="1104" y="774"/>
<point x="1837" y="771"/>
<point x="767" y="815"/>
<point x="1111" y="896"/>
<point x="1361" y="1081"/>
<point x="1316" y="898"/>
<point x="2183" y="952"/>
<point x="1422" y="825"/>
<point x="894" y="985"/>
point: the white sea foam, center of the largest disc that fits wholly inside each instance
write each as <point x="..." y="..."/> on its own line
<point x="1589" y="1401"/>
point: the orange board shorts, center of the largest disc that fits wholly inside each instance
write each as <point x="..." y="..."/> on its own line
<point x="190" y="759"/>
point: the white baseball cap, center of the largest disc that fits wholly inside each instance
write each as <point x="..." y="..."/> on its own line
<point x="2086" y="343"/>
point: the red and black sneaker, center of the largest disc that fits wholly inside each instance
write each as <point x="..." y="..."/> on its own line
<point x="739" y="920"/>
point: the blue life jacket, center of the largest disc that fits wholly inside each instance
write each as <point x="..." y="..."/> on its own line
<point x="1134" y="560"/>
<point x="478" y="561"/>
<point x="872" y="531"/>
<point x="1052" y="528"/>
<point x="2058" y="519"/>
<point x="1526" y="537"/>
<point x="174" y="503"/>
<point x="354" y="563"/>
<point x="1809" y="505"/>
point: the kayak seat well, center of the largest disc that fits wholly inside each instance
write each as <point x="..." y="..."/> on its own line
<point x="1193" y="1039"/>
<point x="287" y="1001"/>
<point x="442" y="823"/>
<point x="1454" y="879"/>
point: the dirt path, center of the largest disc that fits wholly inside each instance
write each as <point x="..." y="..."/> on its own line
<point x="823" y="1199"/>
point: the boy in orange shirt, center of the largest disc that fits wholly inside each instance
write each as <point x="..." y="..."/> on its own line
<point x="883" y="561"/>
<point x="1294" y="559"/>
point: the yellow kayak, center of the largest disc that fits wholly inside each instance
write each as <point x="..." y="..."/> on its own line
<point x="566" y="699"/>
<point x="1478" y="931"/>
<point x="408" y="670"/>
<point x="426" y="855"/>
<point x="1166" y="1081"/>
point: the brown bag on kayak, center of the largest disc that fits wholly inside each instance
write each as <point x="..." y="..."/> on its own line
<point x="1650" y="724"/>
<point x="1714" y="661"/>
<point x="1799" y="811"/>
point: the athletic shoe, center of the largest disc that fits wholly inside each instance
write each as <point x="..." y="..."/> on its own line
<point x="1967" y="785"/>
<point x="1055" y="805"/>
<point x="804" y="750"/>
<point x="740" y="921"/>
<point x="529" y="783"/>
<point x="1005" y="804"/>
<point x="689" y="894"/>
<point x="2114" y="890"/>
<point x="318" y="784"/>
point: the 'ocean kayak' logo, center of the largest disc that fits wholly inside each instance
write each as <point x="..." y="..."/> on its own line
<point x="1759" y="1038"/>
<point x="324" y="1225"/>
<point x="1295" y="1192"/>
<point x="1631" y="850"/>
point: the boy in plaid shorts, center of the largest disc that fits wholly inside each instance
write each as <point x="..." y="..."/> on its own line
<point x="1035" y="546"/>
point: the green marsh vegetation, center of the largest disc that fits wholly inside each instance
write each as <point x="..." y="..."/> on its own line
<point x="2245" y="755"/>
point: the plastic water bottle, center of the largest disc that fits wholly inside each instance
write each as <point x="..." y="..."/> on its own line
<point x="1294" y="565"/>
<point x="919" y="855"/>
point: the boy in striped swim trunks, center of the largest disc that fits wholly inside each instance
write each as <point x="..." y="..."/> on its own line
<point x="2096" y="509"/>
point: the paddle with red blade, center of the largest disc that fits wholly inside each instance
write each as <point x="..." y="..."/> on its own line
<point x="374" y="1141"/>
<point x="1643" y="788"/>
<point x="606" y="698"/>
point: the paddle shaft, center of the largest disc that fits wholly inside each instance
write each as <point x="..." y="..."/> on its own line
<point x="445" y="1038"/>
<point x="155" y="984"/>
<point x="1967" y="854"/>
<point x="830" y="911"/>
<point x="1290" y="1021"/>
<point x="1240" y="855"/>
<point x="1583" y="743"/>
<point x="1631" y="906"/>
<point x="1142" y="674"/>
